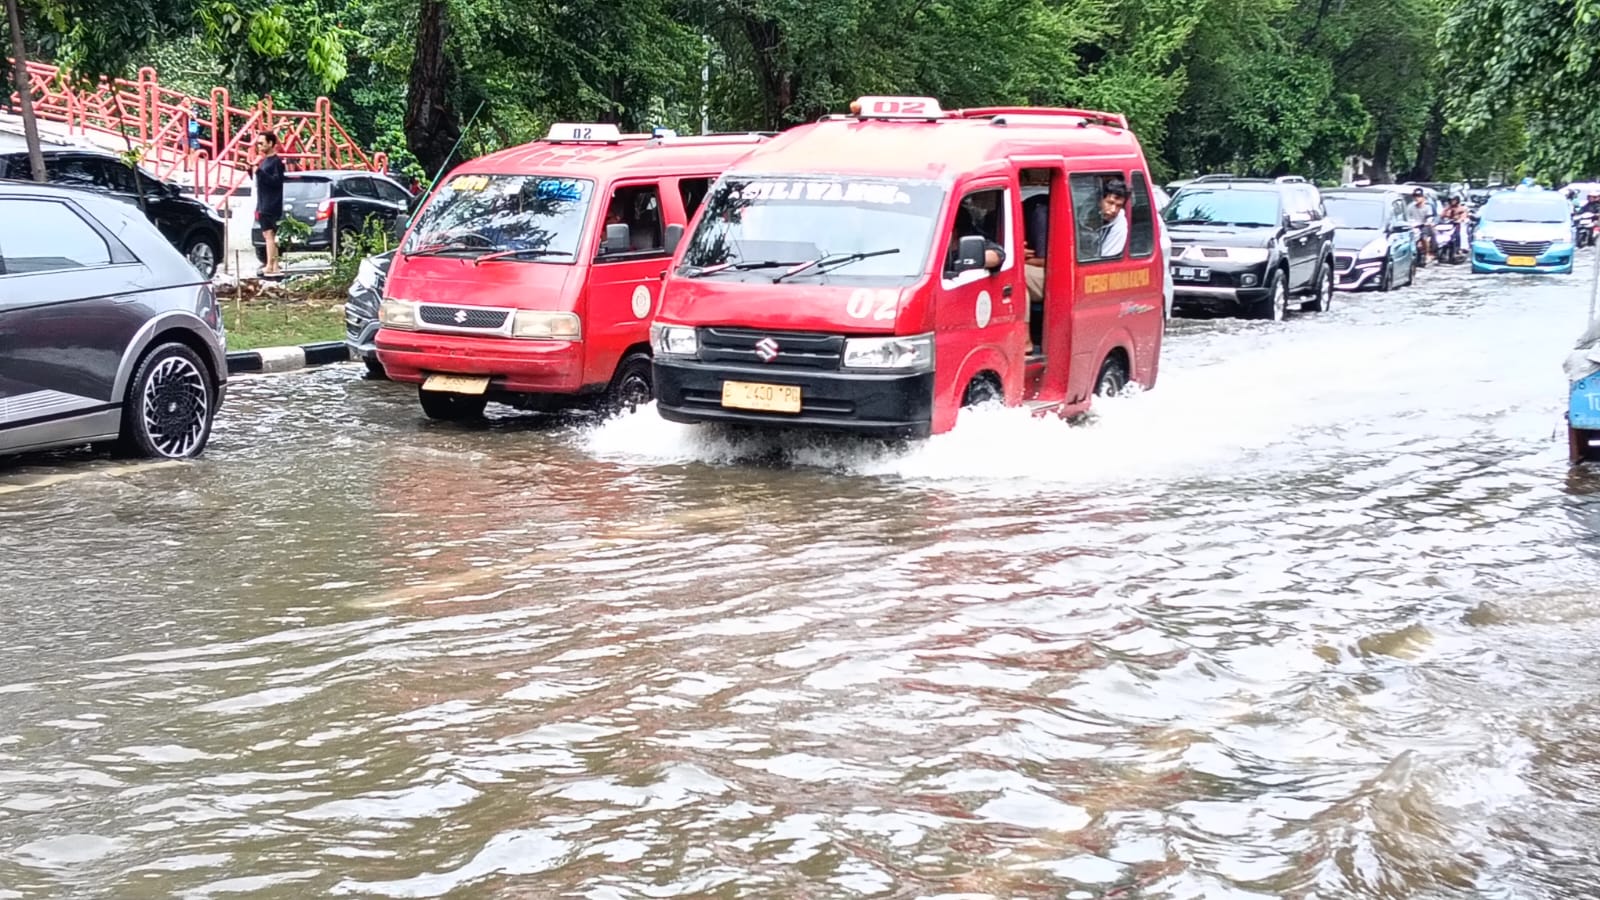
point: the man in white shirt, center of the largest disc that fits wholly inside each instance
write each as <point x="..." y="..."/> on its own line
<point x="1113" y="224"/>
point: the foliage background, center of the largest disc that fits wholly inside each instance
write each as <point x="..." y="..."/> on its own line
<point x="1423" y="89"/>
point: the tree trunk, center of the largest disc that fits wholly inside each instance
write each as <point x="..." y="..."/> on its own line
<point x="1428" y="144"/>
<point x="1382" y="149"/>
<point x="432" y="126"/>
<point x="777" y="79"/>
<point x="19" y="73"/>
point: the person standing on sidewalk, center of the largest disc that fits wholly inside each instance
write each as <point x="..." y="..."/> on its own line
<point x="269" y="198"/>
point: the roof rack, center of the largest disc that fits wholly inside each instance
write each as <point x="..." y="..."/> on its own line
<point x="1043" y="115"/>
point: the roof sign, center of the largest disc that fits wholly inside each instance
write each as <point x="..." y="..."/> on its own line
<point x="897" y="108"/>
<point x="574" y="131"/>
<point x="663" y="133"/>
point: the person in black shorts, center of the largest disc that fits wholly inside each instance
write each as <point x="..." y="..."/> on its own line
<point x="269" y="198"/>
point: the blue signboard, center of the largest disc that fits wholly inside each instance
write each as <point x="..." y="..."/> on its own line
<point x="1583" y="405"/>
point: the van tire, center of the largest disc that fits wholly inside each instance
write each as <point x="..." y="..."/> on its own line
<point x="444" y="407"/>
<point x="1113" y="377"/>
<point x="981" y="390"/>
<point x="632" y="387"/>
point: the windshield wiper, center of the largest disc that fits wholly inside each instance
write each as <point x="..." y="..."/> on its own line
<point x="833" y="261"/>
<point x="512" y="254"/>
<point x="442" y="247"/>
<point x="1193" y="221"/>
<point x="739" y="267"/>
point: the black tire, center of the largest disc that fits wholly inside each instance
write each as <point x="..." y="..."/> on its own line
<point x="1415" y="265"/>
<point x="1322" y="300"/>
<point x="170" y="404"/>
<point x="1113" y="377"/>
<point x="203" y="251"/>
<point x="444" y="407"/>
<point x="981" y="390"/>
<point x="632" y="387"/>
<point x="375" y="369"/>
<point x="1386" y="280"/>
<point x="1275" y="306"/>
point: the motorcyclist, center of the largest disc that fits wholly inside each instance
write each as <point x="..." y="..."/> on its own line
<point x="1455" y="213"/>
<point x="1419" y="215"/>
<point x="1592" y="207"/>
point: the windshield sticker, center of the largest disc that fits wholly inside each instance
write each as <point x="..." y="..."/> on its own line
<point x="469" y="182"/>
<point x="824" y="192"/>
<point x="558" y="189"/>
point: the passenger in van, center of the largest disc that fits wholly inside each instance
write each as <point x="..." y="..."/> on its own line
<point x="1104" y="232"/>
<point x="1035" y="233"/>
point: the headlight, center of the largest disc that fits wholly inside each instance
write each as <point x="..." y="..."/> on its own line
<point x="1561" y="246"/>
<point x="1377" y="247"/>
<point x="397" y="314"/>
<point x="539" y="325"/>
<point x="906" y="353"/>
<point x="673" y="340"/>
<point x="1247" y="254"/>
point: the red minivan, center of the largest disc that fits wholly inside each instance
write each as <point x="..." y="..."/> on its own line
<point x="531" y="274"/>
<point x="878" y="271"/>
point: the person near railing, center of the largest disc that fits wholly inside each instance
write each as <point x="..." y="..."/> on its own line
<point x="269" y="197"/>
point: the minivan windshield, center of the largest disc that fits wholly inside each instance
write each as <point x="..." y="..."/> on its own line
<point x="1223" y="206"/>
<point x="538" y="216"/>
<point x="1352" y="212"/>
<point x="844" y="227"/>
<point x="1524" y="208"/>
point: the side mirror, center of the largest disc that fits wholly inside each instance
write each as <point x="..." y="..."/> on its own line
<point x="618" y="239"/>
<point x="672" y="238"/>
<point x="970" y="253"/>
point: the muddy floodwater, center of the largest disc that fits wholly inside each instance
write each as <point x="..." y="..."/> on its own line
<point x="1316" y="617"/>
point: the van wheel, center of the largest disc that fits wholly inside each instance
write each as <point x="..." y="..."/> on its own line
<point x="1276" y="304"/>
<point x="170" y="403"/>
<point x="1322" y="301"/>
<point x="633" y="386"/>
<point x="981" y="390"/>
<point x="1113" y="377"/>
<point x="451" y="407"/>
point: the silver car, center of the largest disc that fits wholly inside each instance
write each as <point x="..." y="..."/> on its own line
<point x="108" y="335"/>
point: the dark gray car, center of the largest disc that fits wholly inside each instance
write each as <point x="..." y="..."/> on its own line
<point x="107" y="333"/>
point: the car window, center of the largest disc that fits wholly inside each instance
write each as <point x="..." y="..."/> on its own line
<point x="1141" y="218"/>
<point x="639" y="208"/>
<point x="360" y="187"/>
<point x="47" y="236"/>
<point x="983" y="214"/>
<point x="75" y="171"/>
<point x="1099" y="238"/>
<point x="390" y="192"/>
<point x="118" y="177"/>
<point x="692" y="191"/>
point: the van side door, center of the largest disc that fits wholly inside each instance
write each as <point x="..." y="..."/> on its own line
<point x="624" y="282"/>
<point x="1114" y="279"/>
<point x="983" y="307"/>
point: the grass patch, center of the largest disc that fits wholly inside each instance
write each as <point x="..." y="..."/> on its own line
<point x="268" y="321"/>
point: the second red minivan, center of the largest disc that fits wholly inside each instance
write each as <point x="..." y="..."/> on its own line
<point x="531" y="274"/>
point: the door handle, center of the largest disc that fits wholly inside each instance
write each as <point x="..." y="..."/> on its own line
<point x="1007" y="290"/>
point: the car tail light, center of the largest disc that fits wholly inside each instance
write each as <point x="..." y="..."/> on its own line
<point x="325" y="210"/>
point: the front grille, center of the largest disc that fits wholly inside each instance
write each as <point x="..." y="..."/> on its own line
<point x="1522" y="248"/>
<point x="1214" y="252"/>
<point x="463" y="316"/>
<point x="1344" y="262"/>
<point x="796" y="349"/>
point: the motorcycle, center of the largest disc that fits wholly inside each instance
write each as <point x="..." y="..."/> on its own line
<point x="1447" y="242"/>
<point x="1586" y="224"/>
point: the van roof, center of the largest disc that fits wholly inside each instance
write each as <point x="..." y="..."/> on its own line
<point x="960" y="141"/>
<point x="633" y="154"/>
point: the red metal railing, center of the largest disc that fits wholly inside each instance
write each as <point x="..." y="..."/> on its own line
<point x="155" y="121"/>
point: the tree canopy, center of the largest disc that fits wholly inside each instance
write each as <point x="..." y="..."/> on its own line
<point x="1423" y="88"/>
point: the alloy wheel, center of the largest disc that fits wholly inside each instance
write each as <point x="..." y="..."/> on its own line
<point x="175" y="407"/>
<point x="203" y="258"/>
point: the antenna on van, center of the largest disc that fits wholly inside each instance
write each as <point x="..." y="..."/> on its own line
<point x="445" y="166"/>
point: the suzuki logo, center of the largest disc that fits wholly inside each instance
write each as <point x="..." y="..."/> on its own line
<point x="767" y="349"/>
<point x="461" y="316"/>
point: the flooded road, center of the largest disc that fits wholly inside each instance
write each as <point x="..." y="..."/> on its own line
<point x="1314" y="618"/>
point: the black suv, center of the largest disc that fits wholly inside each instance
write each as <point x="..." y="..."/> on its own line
<point x="193" y="227"/>
<point x="339" y="204"/>
<point x="1245" y="246"/>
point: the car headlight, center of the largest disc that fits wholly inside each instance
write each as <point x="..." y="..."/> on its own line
<point x="1247" y="254"/>
<point x="367" y="275"/>
<point x="913" y="353"/>
<point x="673" y="340"/>
<point x="1377" y="247"/>
<point x="397" y="314"/>
<point x="1562" y="246"/>
<point x="538" y="325"/>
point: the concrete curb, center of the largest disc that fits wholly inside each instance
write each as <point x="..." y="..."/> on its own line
<point x="287" y="359"/>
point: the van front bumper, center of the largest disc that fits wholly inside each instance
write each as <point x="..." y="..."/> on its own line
<point x="513" y="366"/>
<point x="881" y="405"/>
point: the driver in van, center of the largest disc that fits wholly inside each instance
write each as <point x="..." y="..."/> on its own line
<point x="974" y="218"/>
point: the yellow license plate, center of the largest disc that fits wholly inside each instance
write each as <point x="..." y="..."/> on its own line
<point x="1521" y="261"/>
<point x="784" y="398"/>
<point x="457" y="384"/>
